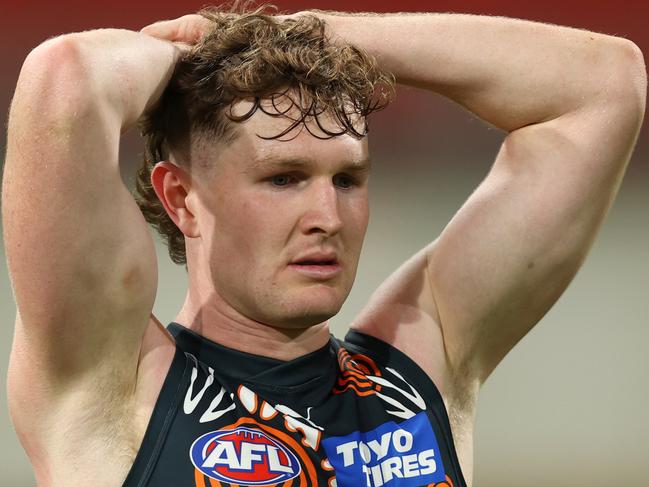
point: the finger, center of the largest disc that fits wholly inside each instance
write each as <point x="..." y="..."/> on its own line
<point x="163" y="29"/>
<point x="188" y="29"/>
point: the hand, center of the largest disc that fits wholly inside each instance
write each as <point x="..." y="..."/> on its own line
<point x="184" y="31"/>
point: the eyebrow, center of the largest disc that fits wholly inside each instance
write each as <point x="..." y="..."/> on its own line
<point x="272" y="162"/>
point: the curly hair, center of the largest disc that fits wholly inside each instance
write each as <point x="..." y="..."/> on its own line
<point x="254" y="56"/>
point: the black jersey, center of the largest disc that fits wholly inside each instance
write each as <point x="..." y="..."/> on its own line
<point x="354" y="413"/>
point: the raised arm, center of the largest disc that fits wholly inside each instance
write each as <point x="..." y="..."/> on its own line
<point x="572" y="102"/>
<point x="81" y="260"/>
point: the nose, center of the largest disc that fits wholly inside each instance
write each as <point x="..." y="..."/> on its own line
<point x="323" y="212"/>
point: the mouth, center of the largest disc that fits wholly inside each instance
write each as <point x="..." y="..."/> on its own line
<point x="317" y="267"/>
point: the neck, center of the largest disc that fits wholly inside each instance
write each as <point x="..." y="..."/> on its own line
<point x="231" y="329"/>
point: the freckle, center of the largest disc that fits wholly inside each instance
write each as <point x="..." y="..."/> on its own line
<point x="530" y="265"/>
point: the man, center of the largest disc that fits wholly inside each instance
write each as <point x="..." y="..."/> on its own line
<point x="272" y="231"/>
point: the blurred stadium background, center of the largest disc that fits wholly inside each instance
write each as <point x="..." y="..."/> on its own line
<point x="568" y="406"/>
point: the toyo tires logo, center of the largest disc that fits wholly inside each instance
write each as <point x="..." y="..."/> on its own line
<point x="392" y="455"/>
<point x="244" y="455"/>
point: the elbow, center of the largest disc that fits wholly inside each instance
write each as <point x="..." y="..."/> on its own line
<point x="53" y="80"/>
<point x="628" y="82"/>
<point x="55" y="54"/>
<point x="638" y="75"/>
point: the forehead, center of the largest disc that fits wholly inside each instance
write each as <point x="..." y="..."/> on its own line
<point x="256" y="141"/>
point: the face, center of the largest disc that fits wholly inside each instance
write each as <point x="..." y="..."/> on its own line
<point x="282" y="222"/>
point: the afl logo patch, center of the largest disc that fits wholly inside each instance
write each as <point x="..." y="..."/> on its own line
<point x="244" y="456"/>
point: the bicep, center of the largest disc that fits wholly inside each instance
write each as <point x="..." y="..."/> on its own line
<point x="515" y="245"/>
<point x="461" y="303"/>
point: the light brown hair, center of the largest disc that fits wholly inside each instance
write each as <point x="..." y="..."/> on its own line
<point x="256" y="56"/>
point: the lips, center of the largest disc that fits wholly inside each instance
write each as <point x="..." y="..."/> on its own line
<point x="317" y="265"/>
<point x="317" y="258"/>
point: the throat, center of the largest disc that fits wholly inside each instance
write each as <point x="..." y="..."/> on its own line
<point x="256" y="338"/>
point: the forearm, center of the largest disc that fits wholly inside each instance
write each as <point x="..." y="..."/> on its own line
<point x="117" y="73"/>
<point x="509" y="72"/>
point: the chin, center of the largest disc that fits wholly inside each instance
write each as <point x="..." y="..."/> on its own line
<point x="304" y="318"/>
<point x="297" y="307"/>
<point x="304" y="313"/>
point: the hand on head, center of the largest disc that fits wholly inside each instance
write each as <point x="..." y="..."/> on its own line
<point x="189" y="29"/>
<point x="184" y="31"/>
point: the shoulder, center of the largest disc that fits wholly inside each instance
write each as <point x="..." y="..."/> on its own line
<point x="418" y="367"/>
<point x="403" y="314"/>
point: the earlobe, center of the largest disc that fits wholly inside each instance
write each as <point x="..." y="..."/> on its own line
<point x="172" y="185"/>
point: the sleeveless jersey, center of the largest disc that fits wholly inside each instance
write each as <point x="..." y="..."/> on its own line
<point x="354" y="413"/>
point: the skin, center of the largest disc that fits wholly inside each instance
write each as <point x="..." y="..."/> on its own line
<point x="261" y="205"/>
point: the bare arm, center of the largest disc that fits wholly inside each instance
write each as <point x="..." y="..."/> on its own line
<point x="572" y="102"/>
<point x="509" y="72"/>
<point x="81" y="260"/>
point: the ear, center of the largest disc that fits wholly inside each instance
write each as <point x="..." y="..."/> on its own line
<point x="173" y="186"/>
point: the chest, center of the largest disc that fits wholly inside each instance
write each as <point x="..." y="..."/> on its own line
<point x="361" y="427"/>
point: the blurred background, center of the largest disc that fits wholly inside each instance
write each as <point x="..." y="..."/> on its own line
<point x="568" y="406"/>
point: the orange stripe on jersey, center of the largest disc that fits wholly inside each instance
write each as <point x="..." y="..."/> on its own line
<point x="360" y="392"/>
<point x="267" y="412"/>
<point x="365" y="383"/>
<point x="446" y="483"/>
<point x="354" y="371"/>
<point x="362" y="382"/>
<point x="199" y="480"/>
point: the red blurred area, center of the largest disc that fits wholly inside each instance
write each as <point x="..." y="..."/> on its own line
<point x="27" y="23"/>
<point x="34" y="20"/>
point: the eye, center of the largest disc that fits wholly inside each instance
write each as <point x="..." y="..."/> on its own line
<point x="281" y="180"/>
<point x="344" y="181"/>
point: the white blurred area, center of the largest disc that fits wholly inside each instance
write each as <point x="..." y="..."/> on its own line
<point x="568" y="406"/>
